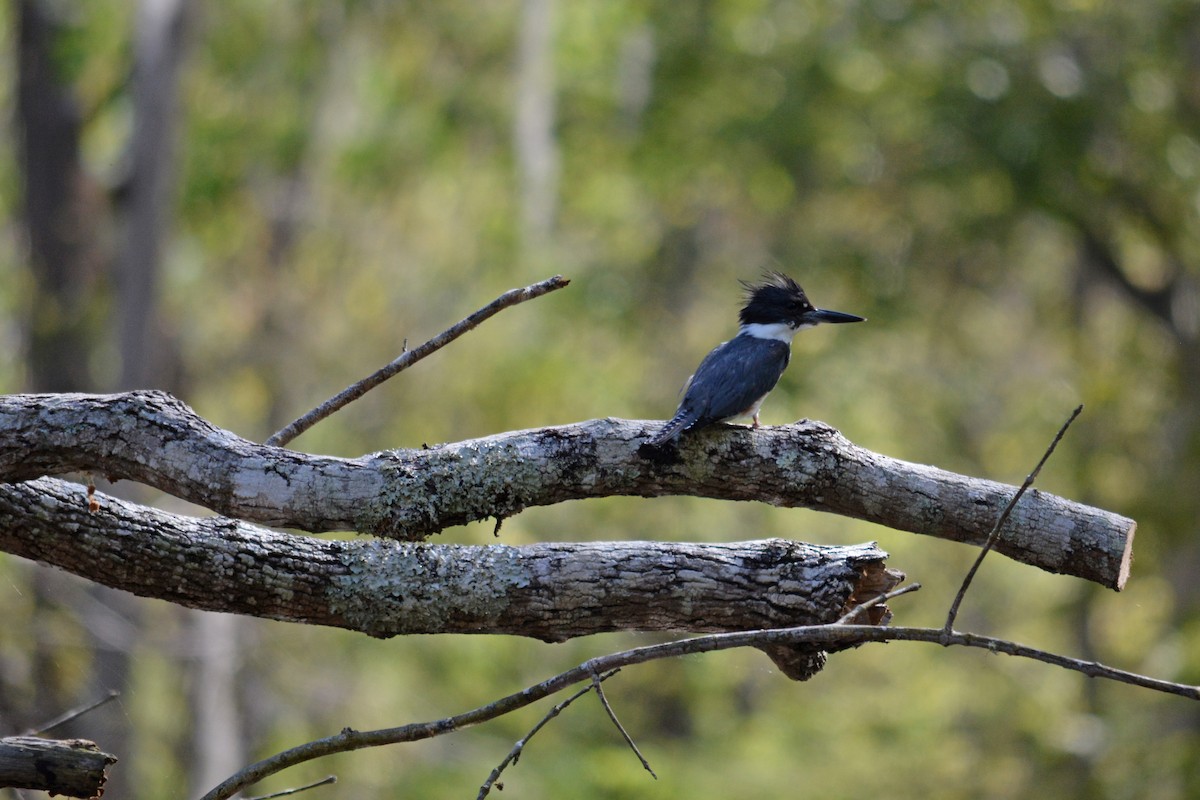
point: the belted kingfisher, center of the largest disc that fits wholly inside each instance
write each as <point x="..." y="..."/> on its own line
<point x="733" y="380"/>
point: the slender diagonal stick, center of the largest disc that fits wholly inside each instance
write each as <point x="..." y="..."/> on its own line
<point x="596" y="681"/>
<point x="328" y="779"/>
<point x="515" y="753"/>
<point x="113" y="694"/>
<point x="995" y="534"/>
<point x="836" y="635"/>
<point x="409" y="357"/>
<point x="847" y="618"/>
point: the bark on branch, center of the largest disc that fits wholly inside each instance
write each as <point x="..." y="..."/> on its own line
<point x="154" y="438"/>
<point x="71" y="767"/>
<point x="384" y="588"/>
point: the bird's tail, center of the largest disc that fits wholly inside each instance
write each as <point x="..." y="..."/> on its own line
<point x="672" y="429"/>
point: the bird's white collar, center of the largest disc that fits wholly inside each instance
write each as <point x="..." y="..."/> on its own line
<point x="780" y="331"/>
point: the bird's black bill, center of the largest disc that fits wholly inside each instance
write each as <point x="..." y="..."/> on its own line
<point x="821" y="315"/>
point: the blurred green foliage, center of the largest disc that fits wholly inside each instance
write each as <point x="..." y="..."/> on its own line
<point x="347" y="182"/>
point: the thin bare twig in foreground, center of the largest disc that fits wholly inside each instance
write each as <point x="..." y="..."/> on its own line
<point x="515" y="753"/>
<point x="874" y="601"/>
<point x="822" y="635"/>
<point x="613" y="716"/>
<point x="995" y="533"/>
<point x="328" y="779"/>
<point x="113" y="694"/>
<point x="409" y="357"/>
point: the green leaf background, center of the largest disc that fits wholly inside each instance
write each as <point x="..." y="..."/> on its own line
<point x="932" y="166"/>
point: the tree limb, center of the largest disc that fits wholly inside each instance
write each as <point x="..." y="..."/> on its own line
<point x="75" y="713"/>
<point x="154" y="438"/>
<point x="830" y="636"/>
<point x="409" y="357"/>
<point x="71" y="767"/>
<point x="1004" y="515"/>
<point x="518" y="748"/>
<point x="548" y="591"/>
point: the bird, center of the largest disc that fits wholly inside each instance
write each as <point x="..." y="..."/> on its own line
<point x="736" y="376"/>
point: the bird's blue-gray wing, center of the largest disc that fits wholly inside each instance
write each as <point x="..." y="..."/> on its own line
<point x="729" y="381"/>
<point x="733" y="377"/>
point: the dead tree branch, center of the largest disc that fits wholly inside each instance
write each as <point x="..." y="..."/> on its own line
<point x="519" y="747"/>
<point x="154" y="438"/>
<point x="1004" y="515"/>
<point x="74" y="713"/>
<point x="831" y="636"/>
<point x="790" y="648"/>
<point x="409" y="357"/>
<point x="549" y="591"/>
<point x="71" y="767"/>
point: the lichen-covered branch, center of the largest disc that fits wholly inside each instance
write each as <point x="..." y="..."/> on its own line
<point x="384" y="588"/>
<point x="409" y="494"/>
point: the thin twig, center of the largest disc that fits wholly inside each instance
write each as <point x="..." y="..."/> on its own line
<point x="995" y="533"/>
<point x="65" y="717"/>
<point x="876" y="600"/>
<point x="822" y="635"/>
<point x="328" y="779"/>
<point x="596" y="679"/>
<point x="409" y="357"/>
<point x="515" y="753"/>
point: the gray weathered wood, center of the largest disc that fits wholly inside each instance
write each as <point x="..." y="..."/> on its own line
<point x="384" y="588"/>
<point x="71" y="767"/>
<point x="409" y="494"/>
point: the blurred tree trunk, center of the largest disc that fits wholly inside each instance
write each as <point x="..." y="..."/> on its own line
<point x="158" y="56"/>
<point x="61" y="208"/>
<point x="219" y="749"/>
<point x="533" y="129"/>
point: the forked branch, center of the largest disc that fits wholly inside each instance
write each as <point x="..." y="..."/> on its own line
<point x="831" y="636"/>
